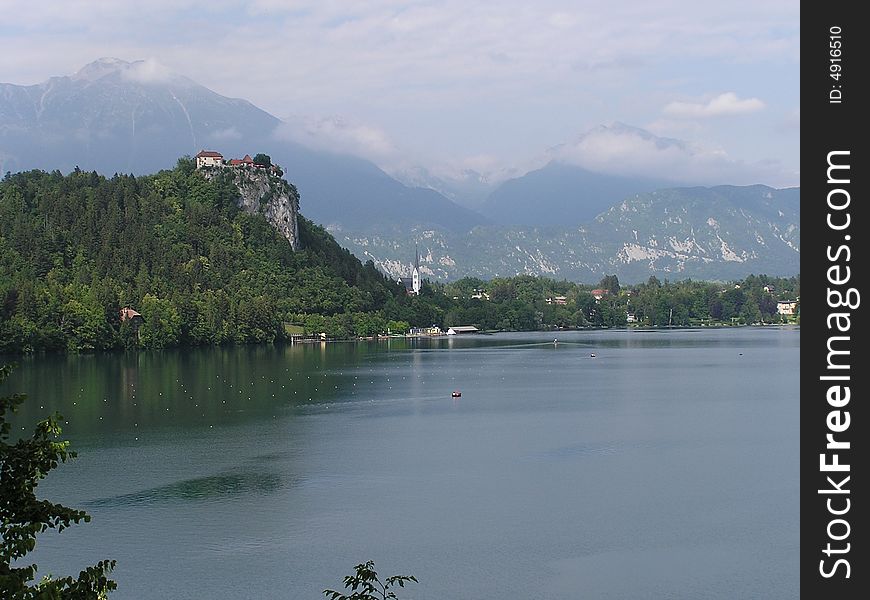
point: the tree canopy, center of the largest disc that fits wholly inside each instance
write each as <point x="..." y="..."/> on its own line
<point x="76" y="249"/>
<point x="263" y="160"/>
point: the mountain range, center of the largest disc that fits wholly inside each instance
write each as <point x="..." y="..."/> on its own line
<point x="722" y="232"/>
<point x="115" y="116"/>
<point x="560" y="220"/>
<point x="560" y="194"/>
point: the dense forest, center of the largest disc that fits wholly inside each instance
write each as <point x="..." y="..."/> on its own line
<point x="75" y="249"/>
<point x="527" y="302"/>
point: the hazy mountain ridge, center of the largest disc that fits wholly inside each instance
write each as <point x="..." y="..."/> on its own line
<point x="111" y="118"/>
<point x="115" y="116"/>
<point x="723" y="232"/>
<point x="561" y="194"/>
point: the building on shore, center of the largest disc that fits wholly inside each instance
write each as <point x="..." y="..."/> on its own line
<point x="462" y="330"/>
<point x="786" y="307"/>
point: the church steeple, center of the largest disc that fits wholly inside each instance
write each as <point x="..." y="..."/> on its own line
<point x="415" y="274"/>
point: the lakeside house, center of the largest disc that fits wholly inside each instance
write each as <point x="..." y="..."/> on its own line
<point x="462" y="330"/>
<point x="128" y="314"/>
<point x="786" y="307"/>
<point x="434" y="330"/>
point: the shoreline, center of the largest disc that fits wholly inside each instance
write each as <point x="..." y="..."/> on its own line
<point x="8" y="358"/>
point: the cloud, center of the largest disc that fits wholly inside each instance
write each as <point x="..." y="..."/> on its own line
<point x="337" y="134"/>
<point x="447" y="77"/>
<point x="792" y="121"/>
<point x="724" y="104"/>
<point x="148" y="71"/>
<point x="623" y="150"/>
<point x="228" y="134"/>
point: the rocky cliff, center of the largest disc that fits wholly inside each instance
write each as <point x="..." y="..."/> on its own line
<point x="262" y="192"/>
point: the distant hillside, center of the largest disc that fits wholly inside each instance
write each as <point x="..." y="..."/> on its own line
<point x="724" y="232"/>
<point x="562" y="195"/>
<point x="114" y="116"/>
<point x="349" y="192"/>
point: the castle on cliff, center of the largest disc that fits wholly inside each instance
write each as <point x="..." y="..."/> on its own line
<point x="210" y="158"/>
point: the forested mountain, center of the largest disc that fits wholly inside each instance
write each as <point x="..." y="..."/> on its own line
<point x="175" y="247"/>
<point x="202" y="265"/>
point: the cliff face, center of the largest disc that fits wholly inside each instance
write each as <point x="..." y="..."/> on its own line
<point x="266" y="194"/>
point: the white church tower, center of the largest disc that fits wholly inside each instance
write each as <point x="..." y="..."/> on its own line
<point x="415" y="274"/>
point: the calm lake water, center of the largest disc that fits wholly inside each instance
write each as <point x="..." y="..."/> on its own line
<point x="666" y="466"/>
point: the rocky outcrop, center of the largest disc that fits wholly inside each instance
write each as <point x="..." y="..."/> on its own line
<point x="262" y="192"/>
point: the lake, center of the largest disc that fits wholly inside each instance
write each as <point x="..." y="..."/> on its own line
<point x="664" y="466"/>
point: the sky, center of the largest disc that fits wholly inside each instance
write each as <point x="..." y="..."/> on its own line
<point x="449" y="85"/>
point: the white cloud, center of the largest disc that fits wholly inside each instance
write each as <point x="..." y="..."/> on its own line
<point x="148" y="71"/>
<point x="337" y="134"/>
<point x="228" y="134"/>
<point x="448" y="78"/>
<point x="724" y="104"/>
<point x="792" y="121"/>
<point x="624" y="150"/>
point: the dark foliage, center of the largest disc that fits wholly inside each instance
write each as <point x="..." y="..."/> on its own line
<point x="365" y="584"/>
<point x="23" y="463"/>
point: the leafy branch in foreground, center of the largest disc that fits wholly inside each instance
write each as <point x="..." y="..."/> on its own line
<point x="366" y="585"/>
<point x="23" y="516"/>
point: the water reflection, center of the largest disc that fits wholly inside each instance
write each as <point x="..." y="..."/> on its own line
<point x="199" y="488"/>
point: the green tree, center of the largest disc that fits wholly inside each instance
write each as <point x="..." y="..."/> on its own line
<point x="263" y="160"/>
<point x="23" y="516"/>
<point x="588" y="307"/>
<point x="366" y="585"/>
<point x="162" y="324"/>
<point x="610" y="283"/>
<point x="84" y="323"/>
<point x="750" y="312"/>
<point x="398" y="326"/>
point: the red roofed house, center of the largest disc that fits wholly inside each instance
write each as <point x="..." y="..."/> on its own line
<point x="598" y="294"/>
<point x="128" y="314"/>
<point x="209" y="158"/>
<point x="238" y="162"/>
